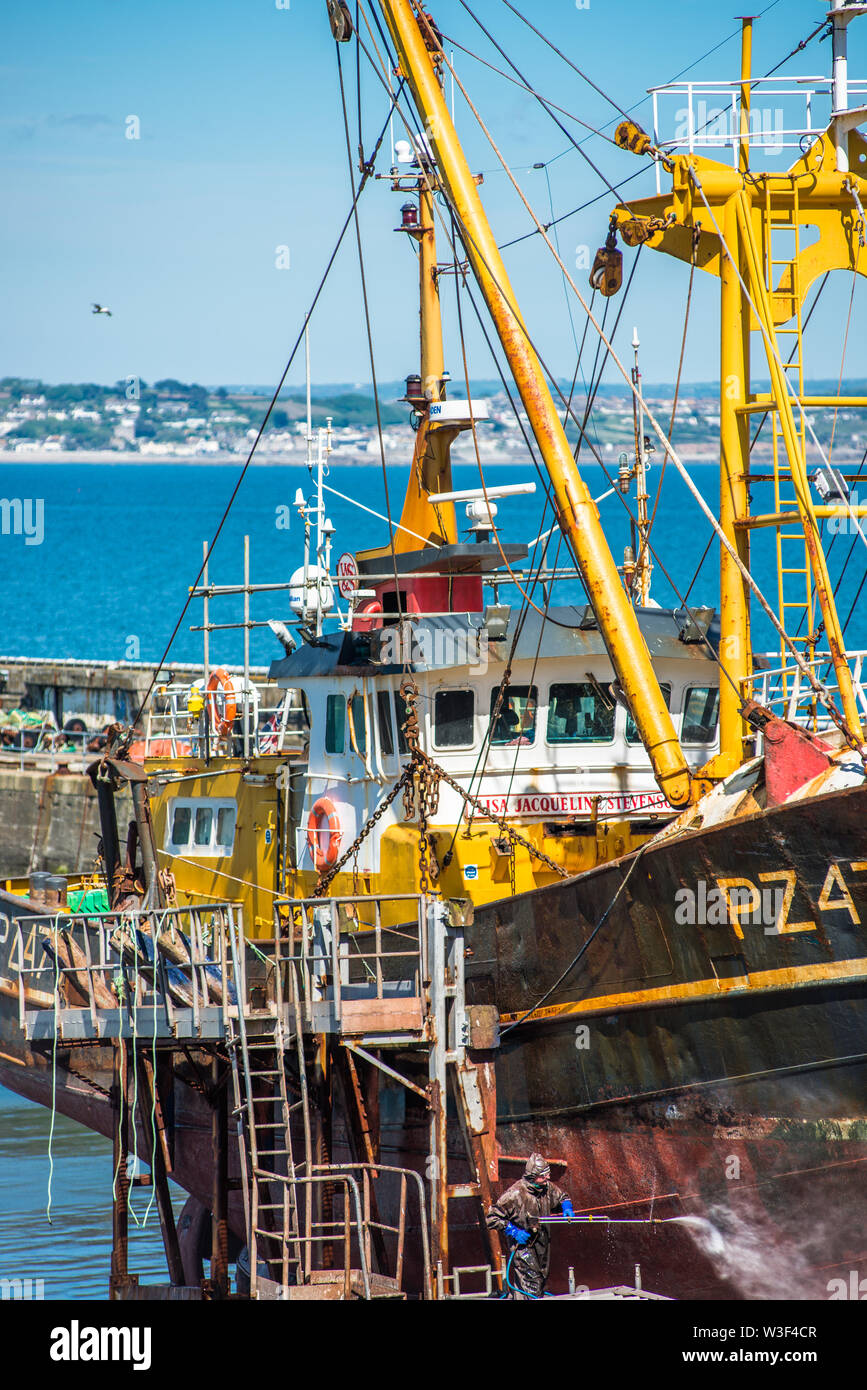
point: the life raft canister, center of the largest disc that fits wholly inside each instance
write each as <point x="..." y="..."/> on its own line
<point x="221" y="681"/>
<point x="324" y="854"/>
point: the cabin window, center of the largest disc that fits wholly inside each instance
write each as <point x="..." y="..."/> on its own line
<point x="201" y="825"/>
<point x="225" y="826"/>
<point x="204" y="824"/>
<point x="180" y="836"/>
<point x="700" y="714"/>
<point x="578" y="713"/>
<point x="358" y="727"/>
<point x="632" y="734"/>
<point x="516" y="722"/>
<point x="335" y="724"/>
<point x="400" y="712"/>
<point x="453" y="719"/>
<point x="383" y="711"/>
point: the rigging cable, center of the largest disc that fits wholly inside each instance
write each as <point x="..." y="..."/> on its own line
<point x="820" y="690"/>
<point x="575" y="959"/>
<point x="541" y="100"/>
<point x="635" y="105"/>
<point x="361" y="186"/>
<point x="369" y="333"/>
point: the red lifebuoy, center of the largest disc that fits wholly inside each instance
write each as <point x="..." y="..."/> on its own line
<point x="221" y="681"/>
<point x="324" y="856"/>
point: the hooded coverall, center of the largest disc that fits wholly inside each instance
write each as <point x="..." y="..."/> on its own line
<point x="520" y="1205"/>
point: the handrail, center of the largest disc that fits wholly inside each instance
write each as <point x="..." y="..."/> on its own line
<point x="350" y="1185"/>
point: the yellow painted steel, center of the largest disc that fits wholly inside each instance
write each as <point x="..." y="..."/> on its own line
<point x="246" y="873"/>
<point x="577" y="513"/>
<point x="734" y="506"/>
<point x="744" y="205"/>
<point x="798" y="469"/>
<point x="746" y="89"/>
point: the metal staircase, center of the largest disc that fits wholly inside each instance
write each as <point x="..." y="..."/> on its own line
<point x="354" y="980"/>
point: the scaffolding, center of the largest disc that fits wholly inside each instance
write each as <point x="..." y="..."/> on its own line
<point x="298" y="1030"/>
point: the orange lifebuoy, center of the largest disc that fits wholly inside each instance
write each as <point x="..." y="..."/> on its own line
<point x="324" y="856"/>
<point x="221" y="680"/>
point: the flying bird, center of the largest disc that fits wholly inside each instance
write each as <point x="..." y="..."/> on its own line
<point x="101" y="309"/>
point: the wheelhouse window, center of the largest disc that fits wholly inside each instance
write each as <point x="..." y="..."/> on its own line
<point x="516" y="721"/>
<point x="453" y="719"/>
<point x="201" y="826"/>
<point x="700" y="714"/>
<point x="358" y="727"/>
<point x="632" y="734"/>
<point x="181" y="820"/>
<point x="580" y="712"/>
<point x="383" y="713"/>
<point x="400" y="713"/>
<point x="204" y="826"/>
<point x="335" y="724"/>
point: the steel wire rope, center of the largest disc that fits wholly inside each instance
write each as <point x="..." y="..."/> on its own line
<point x="361" y="186"/>
<point x="803" y="666"/>
<point x="541" y="100"/>
<point x="467" y="237"/>
<point x="369" y="332"/>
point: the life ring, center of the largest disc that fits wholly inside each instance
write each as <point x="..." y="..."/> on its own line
<point x="221" y="680"/>
<point x="324" y="856"/>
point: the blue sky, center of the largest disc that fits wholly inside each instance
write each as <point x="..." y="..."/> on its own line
<point x="241" y="151"/>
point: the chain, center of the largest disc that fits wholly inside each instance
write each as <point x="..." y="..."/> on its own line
<point x="513" y="835"/>
<point x="325" y="878"/>
<point x="420" y="784"/>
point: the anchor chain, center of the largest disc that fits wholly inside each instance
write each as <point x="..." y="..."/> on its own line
<point x="420" y="783"/>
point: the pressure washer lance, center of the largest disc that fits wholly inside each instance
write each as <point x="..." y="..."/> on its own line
<point x="589" y="1219"/>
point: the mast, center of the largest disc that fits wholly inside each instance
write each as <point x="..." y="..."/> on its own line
<point x="431" y="471"/>
<point x="578" y="515"/>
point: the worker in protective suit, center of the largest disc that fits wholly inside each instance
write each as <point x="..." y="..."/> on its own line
<point x="517" y="1214"/>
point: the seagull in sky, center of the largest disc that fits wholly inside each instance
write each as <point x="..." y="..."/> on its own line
<point x="101" y="309"/>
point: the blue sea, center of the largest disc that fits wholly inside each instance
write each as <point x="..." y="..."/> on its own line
<point x="123" y="542"/>
<point x="55" y="1208"/>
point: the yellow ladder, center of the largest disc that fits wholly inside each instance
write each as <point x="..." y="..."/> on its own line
<point x="796" y="595"/>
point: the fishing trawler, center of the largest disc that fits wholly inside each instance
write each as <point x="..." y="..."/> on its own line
<point x="595" y="869"/>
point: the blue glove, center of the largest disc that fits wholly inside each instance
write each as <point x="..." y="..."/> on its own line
<point x="518" y="1236"/>
<point x="567" y="1209"/>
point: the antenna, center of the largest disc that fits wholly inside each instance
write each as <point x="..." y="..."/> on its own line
<point x="309" y="414"/>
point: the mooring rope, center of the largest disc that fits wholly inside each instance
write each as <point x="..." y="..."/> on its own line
<point x="53" y="1077"/>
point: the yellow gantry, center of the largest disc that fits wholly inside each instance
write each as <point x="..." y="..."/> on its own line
<point x="724" y="219"/>
<point x="578" y="515"/>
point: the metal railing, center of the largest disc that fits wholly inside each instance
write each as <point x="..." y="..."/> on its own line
<point x="352" y="951"/>
<point x="708" y="114"/>
<point x="267" y="721"/>
<point x="786" y="690"/>
<point x="354" y="1228"/>
<point x="154" y="971"/>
